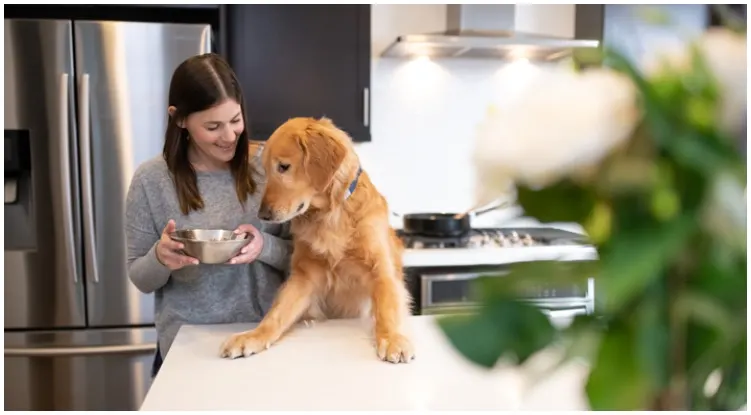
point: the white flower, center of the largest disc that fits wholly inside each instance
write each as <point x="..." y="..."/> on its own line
<point x="561" y="121"/>
<point x="724" y="213"/>
<point x="724" y="52"/>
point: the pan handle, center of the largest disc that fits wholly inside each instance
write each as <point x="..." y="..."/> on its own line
<point x="494" y="205"/>
<point x="479" y="210"/>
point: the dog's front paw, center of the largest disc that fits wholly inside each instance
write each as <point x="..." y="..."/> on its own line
<point x="395" y="348"/>
<point x="245" y="344"/>
<point x="309" y="323"/>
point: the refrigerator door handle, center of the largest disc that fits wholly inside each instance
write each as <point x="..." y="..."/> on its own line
<point x="89" y="235"/>
<point x="81" y="351"/>
<point x="64" y="176"/>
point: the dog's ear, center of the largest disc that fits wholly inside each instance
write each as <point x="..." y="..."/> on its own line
<point x="322" y="156"/>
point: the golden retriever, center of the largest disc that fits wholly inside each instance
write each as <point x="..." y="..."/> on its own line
<point x="347" y="260"/>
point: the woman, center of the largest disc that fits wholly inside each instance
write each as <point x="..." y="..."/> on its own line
<point x="207" y="177"/>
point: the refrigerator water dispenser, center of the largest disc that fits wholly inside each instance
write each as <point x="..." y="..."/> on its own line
<point x="17" y="163"/>
<point x="19" y="226"/>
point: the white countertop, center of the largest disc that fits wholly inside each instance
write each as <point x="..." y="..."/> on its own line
<point x="332" y="366"/>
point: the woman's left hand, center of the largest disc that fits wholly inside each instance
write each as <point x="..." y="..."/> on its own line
<point x="250" y="252"/>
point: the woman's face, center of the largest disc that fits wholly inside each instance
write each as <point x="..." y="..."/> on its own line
<point x="214" y="132"/>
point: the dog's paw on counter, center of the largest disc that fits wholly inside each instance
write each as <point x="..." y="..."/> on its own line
<point x="245" y="344"/>
<point x="395" y="348"/>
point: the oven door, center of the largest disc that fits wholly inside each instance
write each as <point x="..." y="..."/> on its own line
<point x="450" y="293"/>
<point x="559" y="317"/>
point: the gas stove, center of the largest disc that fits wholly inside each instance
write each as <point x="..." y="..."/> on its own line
<point x="483" y="246"/>
<point x="494" y="238"/>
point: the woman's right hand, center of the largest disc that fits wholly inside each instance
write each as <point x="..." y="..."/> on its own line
<point x="168" y="251"/>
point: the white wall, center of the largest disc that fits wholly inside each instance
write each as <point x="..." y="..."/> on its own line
<point x="424" y="116"/>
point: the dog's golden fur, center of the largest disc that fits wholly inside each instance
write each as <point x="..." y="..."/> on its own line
<point x="347" y="260"/>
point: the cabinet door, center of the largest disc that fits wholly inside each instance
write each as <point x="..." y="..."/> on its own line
<point x="302" y="60"/>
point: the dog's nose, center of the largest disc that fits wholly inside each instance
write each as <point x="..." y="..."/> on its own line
<point x="264" y="213"/>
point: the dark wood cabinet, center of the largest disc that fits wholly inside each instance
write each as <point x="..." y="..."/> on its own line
<point x="157" y="13"/>
<point x="301" y="60"/>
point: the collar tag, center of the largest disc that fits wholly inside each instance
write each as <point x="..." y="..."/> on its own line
<point x="353" y="184"/>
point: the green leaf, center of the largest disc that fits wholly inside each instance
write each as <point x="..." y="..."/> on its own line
<point x="700" y="340"/>
<point x="723" y="276"/>
<point x="475" y="336"/>
<point x="637" y="256"/>
<point x="667" y="86"/>
<point x="701" y="113"/>
<point x="733" y="390"/>
<point x="599" y="224"/>
<point x="700" y="82"/>
<point x="711" y="339"/>
<point x="709" y="349"/>
<point x="652" y="333"/>
<point x="564" y="201"/>
<point x="665" y="203"/>
<point x="524" y="278"/>
<point x="693" y="150"/>
<point x="705" y="310"/>
<point x="503" y="328"/>
<point x="617" y="381"/>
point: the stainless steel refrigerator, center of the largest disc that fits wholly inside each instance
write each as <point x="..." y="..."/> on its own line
<point x="85" y="103"/>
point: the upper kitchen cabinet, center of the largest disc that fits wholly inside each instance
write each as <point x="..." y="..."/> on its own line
<point x="301" y="60"/>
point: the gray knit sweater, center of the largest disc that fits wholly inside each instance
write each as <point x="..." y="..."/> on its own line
<point x="200" y="294"/>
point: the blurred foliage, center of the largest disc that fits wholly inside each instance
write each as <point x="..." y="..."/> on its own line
<point x="730" y="19"/>
<point x="667" y="214"/>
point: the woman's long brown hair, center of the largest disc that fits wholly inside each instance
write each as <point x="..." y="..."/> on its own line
<point x="199" y="83"/>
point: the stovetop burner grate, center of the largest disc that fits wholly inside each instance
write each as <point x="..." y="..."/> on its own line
<point x="492" y="238"/>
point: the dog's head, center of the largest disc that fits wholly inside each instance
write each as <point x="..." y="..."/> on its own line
<point x="301" y="159"/>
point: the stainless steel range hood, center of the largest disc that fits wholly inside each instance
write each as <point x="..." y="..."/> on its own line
<point x="493" y="31"/>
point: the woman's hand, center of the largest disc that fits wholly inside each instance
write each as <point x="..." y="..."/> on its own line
<point x="168" y="251"/>
<point x="250" y="252"/>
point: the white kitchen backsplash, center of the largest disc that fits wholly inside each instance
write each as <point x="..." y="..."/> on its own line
<point x="424" y="118"/>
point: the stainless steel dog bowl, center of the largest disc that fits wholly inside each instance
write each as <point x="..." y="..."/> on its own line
<point x="211" y="246"/>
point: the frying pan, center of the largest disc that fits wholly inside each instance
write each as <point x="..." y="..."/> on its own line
<point x="445" y="223"/>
